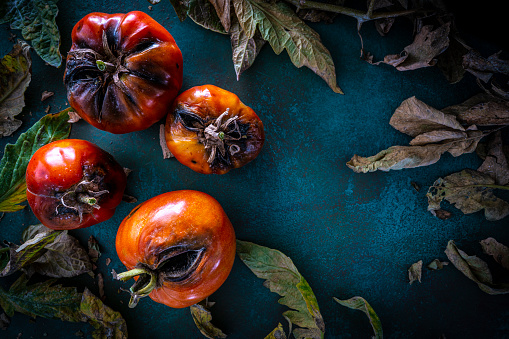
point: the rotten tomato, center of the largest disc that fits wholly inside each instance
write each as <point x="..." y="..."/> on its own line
<point x="73" y="183"/>
<point x="179" y="246"/>
<point x="211" y="131"/>
<point x="123" y="71"/>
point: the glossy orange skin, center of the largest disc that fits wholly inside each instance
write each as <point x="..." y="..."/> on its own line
<point x="209" y="102"/>
<point x="151" y="73"/>
<point x="56" y="167"/>
<point x="180" y="218"/>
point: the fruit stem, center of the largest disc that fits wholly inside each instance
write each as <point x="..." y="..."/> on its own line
<point x="142" y="287"/>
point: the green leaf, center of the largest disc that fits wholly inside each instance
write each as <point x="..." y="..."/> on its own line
<point x="16" y="157"/>
<point x="24" y="255"/>
<point x="203" y="320"/>
<point x="36" y="20"/>
<point x="244" y="49"/>
<point x="283" y="29"/>
<point x="283" y="278"/>
<point x="470" y="192"/>
<point x="359" y="303"/>
<point x="15" y="72"/>
<point x="475" y="269"/>
<point x="64" y="257"/>
<point x="107" y="322"/>
<point x="42" y="300"/>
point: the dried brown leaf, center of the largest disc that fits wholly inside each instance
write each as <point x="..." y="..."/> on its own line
<point x="223" y="12"/>
<point x="437" y="265"/>
<point x="415" y="272"/>
<point x="484" y="68"/>
<point x="498" y="251"/>
<point x="496" y="164"/>
<point x="46" y="94"/>
<point x="467" y="191"/>
<point x="481" y="110"/>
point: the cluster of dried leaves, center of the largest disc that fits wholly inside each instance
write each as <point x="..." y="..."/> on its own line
<point x="54" y="254"/>
<point x="471" y="266"/>
<point x="455" y="130"/>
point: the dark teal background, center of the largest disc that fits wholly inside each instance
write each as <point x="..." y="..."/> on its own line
<point x="349" y="234"/>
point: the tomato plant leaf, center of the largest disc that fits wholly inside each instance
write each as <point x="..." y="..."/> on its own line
<point x="203" y="320"/>
<point x="496" y="164"/>
<point x="107" y="322"/>
<point x="468" y="191"/>
<point x="16" y="157"/>
<point x="277" y="333"/>
<point x="422" y="52"/>
<point x="202" y="12"/>
<point x="283" y="278"/>
<point x="283" y="29"/>
<point x="475" y="269"/>
<point x="41" y="300"/>
<point x="22" y="256"/>
<point x="359" y="303"/>
<point x="63" y="257"/>
<point x="498" y="251"/>
<point x="481" y="110"/>
<point x="244" y="49"/>
<point x="415" y="272"/>
<point x="15" y="72"/>
<point x="223" y="12"/>
<point x="36" y="20"/>
<point x="434" y="132"/>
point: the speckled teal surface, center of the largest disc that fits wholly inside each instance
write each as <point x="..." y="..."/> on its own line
<point x="349" y="234"/>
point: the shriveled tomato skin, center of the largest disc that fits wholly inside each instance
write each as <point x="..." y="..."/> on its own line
<point x="59" y="166"/>
<point x="208" y="102"/>
<point x="142" y="76"/>
<point x="186" y="218"/>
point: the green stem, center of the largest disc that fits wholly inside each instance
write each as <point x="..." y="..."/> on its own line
<point x="361" y="16"/>
<point x="87" y="200"/>
<point x="138" y="290"/>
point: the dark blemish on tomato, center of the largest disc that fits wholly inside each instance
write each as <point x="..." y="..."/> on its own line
<point x="193" y="161"/>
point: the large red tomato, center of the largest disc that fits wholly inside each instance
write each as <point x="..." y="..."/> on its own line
<point x="123" y="71"/>
<point x="73" y="183"/>
<point x="180" y="246"/>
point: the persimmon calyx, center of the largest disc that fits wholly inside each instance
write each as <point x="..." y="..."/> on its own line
<point x="82" y="197"/>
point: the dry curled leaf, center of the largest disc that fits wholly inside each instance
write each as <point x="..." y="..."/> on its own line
<point x="359" y="303"/>
<point x="415" y="272"/>
<point x="437" y="265"/>
<point x="46" y="94"/>
<point x="498" y="251"/>
<point x="475" y="269"/>
<point x="203" y="320"/>
<point x="15" y="72"/>
<point x="468" y="191"/>
<point x="495" y="163"/>
<point x="481" y="110"/>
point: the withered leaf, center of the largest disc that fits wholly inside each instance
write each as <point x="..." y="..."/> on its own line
<point x="107" y="322"/>
<point x="359" y="303"/>
<point x="481" y="110"/>
<point x="284" y="30"/>
<point x="415" y="272"/>
<point x="277" y="333"/>
<point x="283" y="278"/>
<point x="15" y="72"/>
<point x="73" y="117"/>
<point x="427" y="45"/>
<point x="94" y="251"/>
<point x="475" y="269"/>
<point x="450" y="62"/>
<point x="63" y="257"/>
<point x="203" y="320"/>
<point x="442" y="214"/>
<point x="498" y="251"/>
<point x="434" y="134"/>
<point x="46" y="94"/>
<point x="468" y="192"/>
<point x="41" y="300"/>
<point x="4" y="321"/>
<point x="437" y="265"/>
<point x="495" y="163"/>
<point x="484" y="68"/>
